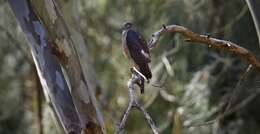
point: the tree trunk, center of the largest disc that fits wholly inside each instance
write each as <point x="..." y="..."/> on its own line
<point x="70" y="10"/>
<point x="58" y="65"/>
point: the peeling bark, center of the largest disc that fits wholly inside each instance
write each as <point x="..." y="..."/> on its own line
<point x="69" y="9"/>
<point x="58" y="65"/>
<point x="47" y="65"/>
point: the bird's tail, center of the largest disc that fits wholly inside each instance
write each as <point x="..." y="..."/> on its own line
<point x="142" y="85"/>
<point x="145" y="70"/>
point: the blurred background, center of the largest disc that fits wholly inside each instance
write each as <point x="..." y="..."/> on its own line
<point x="192" y="84"/>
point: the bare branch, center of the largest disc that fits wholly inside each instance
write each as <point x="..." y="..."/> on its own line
<point x="133" y="103"/>
<point x="231" y="47"/>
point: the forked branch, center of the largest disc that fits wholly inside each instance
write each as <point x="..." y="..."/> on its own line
<point x="133" y="103"/>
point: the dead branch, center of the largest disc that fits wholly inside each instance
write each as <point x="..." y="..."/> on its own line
<point x="133" y="103"/>
<point x="190" y="36"/>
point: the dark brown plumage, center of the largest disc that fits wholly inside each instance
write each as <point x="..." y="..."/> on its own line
<point x="136" y="49"/>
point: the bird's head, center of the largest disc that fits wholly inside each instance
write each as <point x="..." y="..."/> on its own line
<point x="127" y="25"/>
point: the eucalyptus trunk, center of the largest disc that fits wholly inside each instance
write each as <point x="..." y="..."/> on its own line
<point x="58" y="65"/>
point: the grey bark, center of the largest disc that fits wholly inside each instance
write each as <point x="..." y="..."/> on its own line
<point x="58" y="65"/>
<point x="47" y="65"/>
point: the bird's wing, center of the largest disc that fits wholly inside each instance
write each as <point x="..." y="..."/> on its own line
<point x="137" y="47"/>
<point x="143" y="43"/>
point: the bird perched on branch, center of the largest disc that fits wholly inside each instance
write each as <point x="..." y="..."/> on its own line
<point x="136" y="49"/>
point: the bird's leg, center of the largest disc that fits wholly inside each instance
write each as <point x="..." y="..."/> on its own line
<point x="141" y="87"/>
<point x="140" y="81"/>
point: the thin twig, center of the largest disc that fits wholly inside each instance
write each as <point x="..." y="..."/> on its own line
<point x="133" y="103"/>
<point x="243" y="103"/>
<point x="236" y="90"/>
<point x="201" y="124"/>
<point x="228" y="109"/>
<point x="159" y="84"/>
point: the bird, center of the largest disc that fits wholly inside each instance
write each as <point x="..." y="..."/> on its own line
<point x="136" y="49"/>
